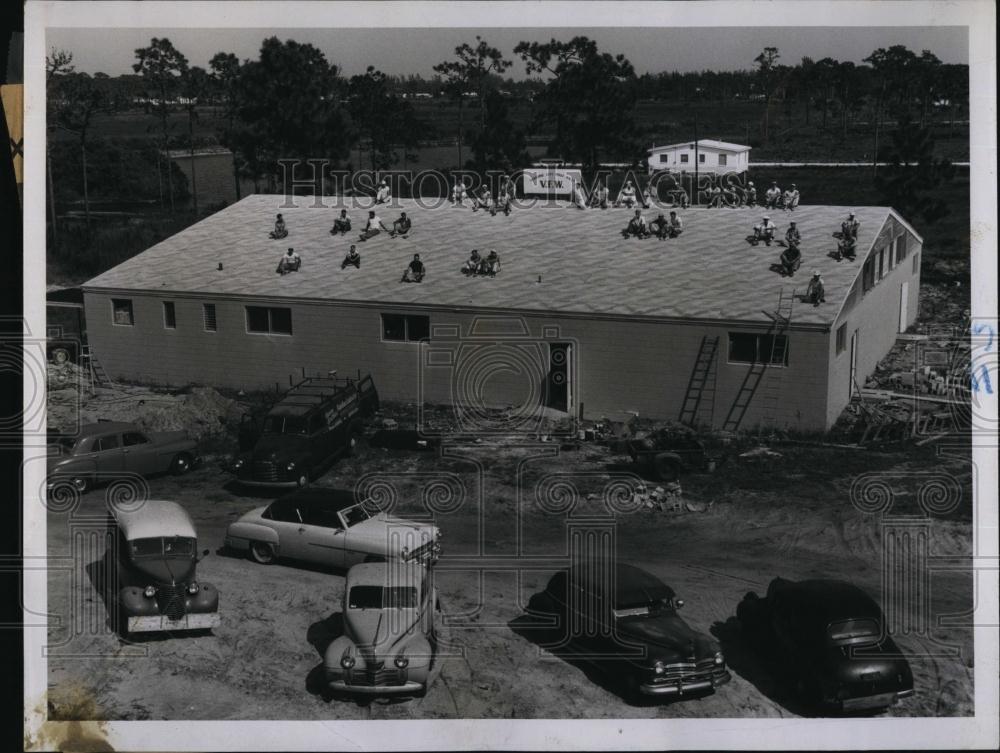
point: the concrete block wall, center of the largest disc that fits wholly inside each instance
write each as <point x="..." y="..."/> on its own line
<point x="618" y="365"/>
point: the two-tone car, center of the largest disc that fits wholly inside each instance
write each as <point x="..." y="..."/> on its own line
<point x="388" y="643"/>
<point x="828" y="640"/>
<point x="105" y="450"/>
<point x="156" y="557"/>
<point x="624" y="621"/>
<point x="330" y="528"/>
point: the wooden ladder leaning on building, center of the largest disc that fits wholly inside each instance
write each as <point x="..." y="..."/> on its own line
<point x="700" y="397"/>
<point x="781" y="319"/>
<point x="96" y="375"/>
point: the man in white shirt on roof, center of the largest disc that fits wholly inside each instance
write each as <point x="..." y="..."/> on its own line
<point x="458" y="192"/>
<point x="383" y="195"/>
<point x="791" y="198"/>
<point x="626" y="197"/>
<point x="764" y="231"/>
<point x="636" y="227"/>
<point x="773" y="196"/>
<point x="373" y="227"/>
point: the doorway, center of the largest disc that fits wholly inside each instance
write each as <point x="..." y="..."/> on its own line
<point x="558" y="386"/>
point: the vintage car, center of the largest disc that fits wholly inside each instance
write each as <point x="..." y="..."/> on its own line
<point x="101" y="451"/>
<point x="626" y="624"/>
<point x="317" y="421"/>
<point x="665" y="454"/>
<point x="828" y="639"/>
<point x="330" y="527"/>
<point x="388" y="641"/>
<point x="157" y="555"/>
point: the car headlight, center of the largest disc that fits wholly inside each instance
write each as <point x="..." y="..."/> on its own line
<point x="437" y="534"/>
<point x="149" y="592"/>
<point x="193" y="588"/>
<point x="659" y="668"/>
<point x="347" y="661"/>
<point x="401" y="662"/>
<point x="290" y="466"/>
<point x="238" y="464"/>
<point x="719" y="658"/>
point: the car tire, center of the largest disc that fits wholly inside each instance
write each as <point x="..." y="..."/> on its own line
<point x="262" y="552"/>
<point x="667" y="469"/>
<point x="181" y="464"/>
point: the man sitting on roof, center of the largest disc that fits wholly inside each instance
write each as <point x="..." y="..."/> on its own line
<point x="383" y="195"/>
<point x="815" y="293"/>
<point x="458" y="192"/>
<point x="483" y="201"/>
<point x="491" y="264"/>
<point x="401" y="226"/>
<point x="579" y="197"/>
<point x="773" y="196"/>
<point x="471" y="267"/>
<point x="660" y="227"/>
<point x="715" y="198"/>
<point x="505" y="200"/>
<point x="601" y="196"/>
<point x="751" y="195"/>
<point x="792" y="236"/>
<point x="373" y="227"/>
<point x="674" y="225"/>
<point x="764" y="231"/>
<point x="414" y="271"/>
<point x="650" y="196"/>
<point x="626" y="197"/>
<point x="791" y="198"/>
<point x="847" y="248"/>
<point x="636" y="227"/>
<point x="290" y="262"/>
<point x="791" y="260"/>
<point x="342" y="224"/>
<point x="353" y="258"/>
<point x="280" y="231"/>
<point x="848" y="228"/>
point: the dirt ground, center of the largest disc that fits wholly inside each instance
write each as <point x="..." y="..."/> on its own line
<point x="756" y="518"/>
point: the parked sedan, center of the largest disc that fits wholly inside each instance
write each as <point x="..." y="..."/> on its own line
<point x="388" y="643"/>
<point x="828" y="638"/>
<point x="108" y="448"/>
<point x="330" y="527"/>
<point x="626" y="624"/>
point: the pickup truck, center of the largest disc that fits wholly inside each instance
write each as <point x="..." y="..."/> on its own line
<point x="317" y="421"/>
<point x="665" y="454"/>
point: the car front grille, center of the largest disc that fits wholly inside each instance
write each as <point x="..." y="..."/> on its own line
<point x="265" y="470"/>
<point x="690" y="671"/>
<point x="171" y="601"/>
<point x="376" y="675"/>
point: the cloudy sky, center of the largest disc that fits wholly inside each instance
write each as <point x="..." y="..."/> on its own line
<point x="403" y="51"/>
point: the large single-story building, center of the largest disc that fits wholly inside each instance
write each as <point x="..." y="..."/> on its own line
<point x="708" y="156"/>
<point x="699" y="328"/>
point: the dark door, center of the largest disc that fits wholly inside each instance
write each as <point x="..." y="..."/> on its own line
<point x="557" y="393"/>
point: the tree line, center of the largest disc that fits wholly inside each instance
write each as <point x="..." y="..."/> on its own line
<point x="292" y="103"/>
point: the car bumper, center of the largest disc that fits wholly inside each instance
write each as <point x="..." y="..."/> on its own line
<point x="684" y="687"/>
<point x="870" y="702"/>
<point x="162" y="623"/>
<point x="407" y="688"/>
<point x="267" y="484"/>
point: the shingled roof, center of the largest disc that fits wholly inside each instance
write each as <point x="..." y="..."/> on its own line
<point x="555" y="258"/>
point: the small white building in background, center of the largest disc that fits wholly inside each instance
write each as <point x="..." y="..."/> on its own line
<point x="713" y="157"/>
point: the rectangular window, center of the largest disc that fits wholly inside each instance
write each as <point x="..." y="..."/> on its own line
<point x="722" y="159"/>
<point x="169" y="315"/>
<point x="121" y="312"/>
<point x="664" y="158"/>
<point x="684" y="158"/>
<point x="868" y="274"/>
<point x="701" y="157"/>
<point x="900" y="248"/>
<point x="405" y="328"/>
<point x="891" y="255"/>
<point x="841" y="338"/>
<point x="746" y="347"/>
<point x="881" y="264"/>
<point x="916" y="263"/>
<point x="208" y="311"/>
<point x="266" y="320"/>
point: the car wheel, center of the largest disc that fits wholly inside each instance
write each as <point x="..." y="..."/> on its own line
<point x="667" y="469"/>
<point x="181" y="464"/>
<point x="262" y="553"/>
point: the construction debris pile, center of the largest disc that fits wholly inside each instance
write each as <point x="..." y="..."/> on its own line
<point x="200" y="411"/>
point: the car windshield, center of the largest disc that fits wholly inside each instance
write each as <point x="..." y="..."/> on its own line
<point x="846" y="632"/>
<point x="382" y="597"/>
<point x="356" y="514"/>
<point x="284" y="425"/>
<point x="167" y="546"/>
<point x="62" y="445"/>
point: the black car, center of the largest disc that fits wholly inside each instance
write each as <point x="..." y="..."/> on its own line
<point x="627" y="626"/>
<point x="314" y="423"/>
<point x="665" y="454"/>
<point x="828" y="638"/>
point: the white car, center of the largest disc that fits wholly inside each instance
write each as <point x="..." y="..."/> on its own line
<point x="330" y="527"/>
